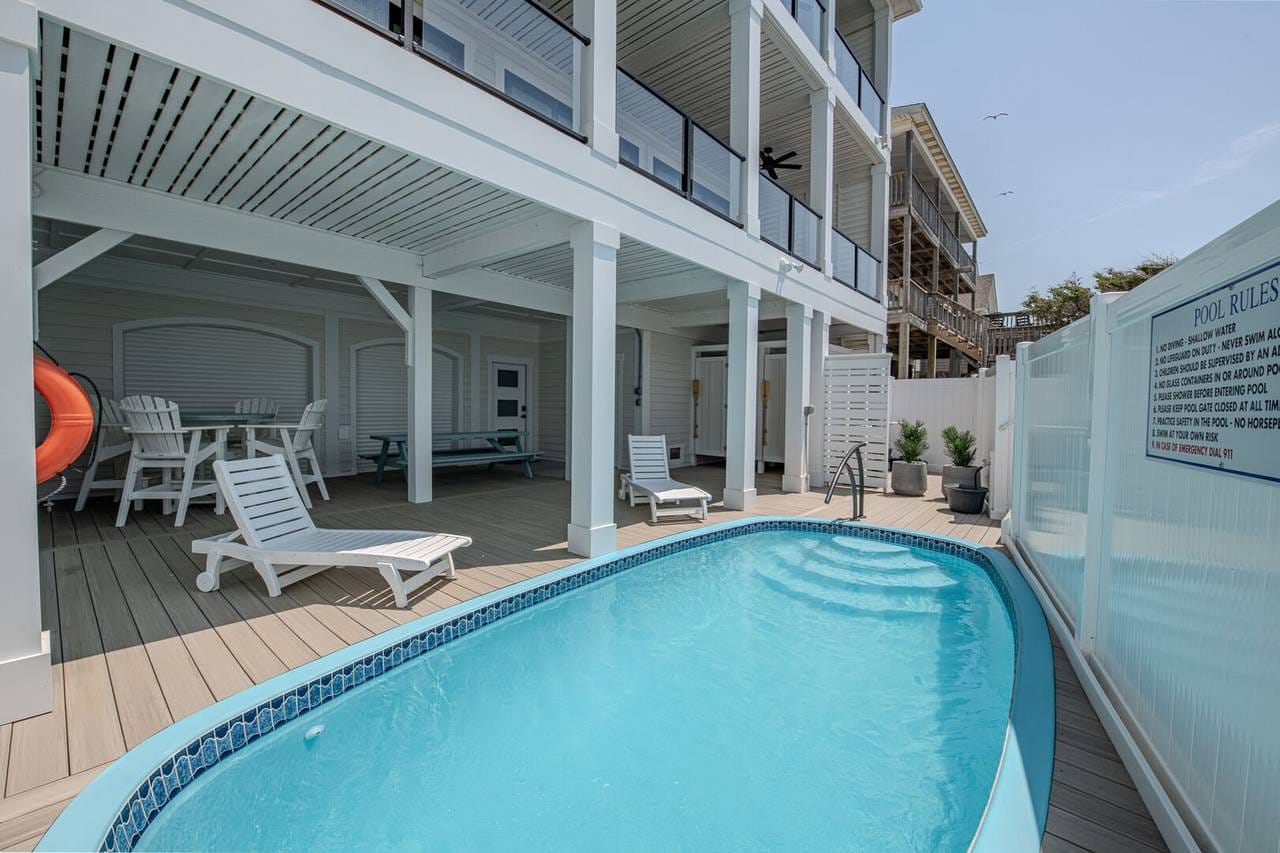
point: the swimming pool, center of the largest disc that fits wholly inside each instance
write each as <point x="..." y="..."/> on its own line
<point x="776" y="684"/>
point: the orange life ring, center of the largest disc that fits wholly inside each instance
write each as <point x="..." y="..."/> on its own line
<point x="72" y="421"/>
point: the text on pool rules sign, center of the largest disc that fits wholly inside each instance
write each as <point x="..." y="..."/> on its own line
<point x="1215" y="378"/>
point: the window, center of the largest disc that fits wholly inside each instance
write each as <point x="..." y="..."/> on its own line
<point x="668" y="174"/>
<point x="628" y="151"/>
<point x="508" y="408"/>
<point x="508" y="379"/>
<point x="521" y="90"/>
<point x="711" y="199"/>
<point x="441" y="45"/>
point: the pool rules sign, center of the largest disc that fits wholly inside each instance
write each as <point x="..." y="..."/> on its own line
<point x="1215" y="378"/>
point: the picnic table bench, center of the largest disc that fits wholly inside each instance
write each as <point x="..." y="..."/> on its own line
<point x="505" y="447"/>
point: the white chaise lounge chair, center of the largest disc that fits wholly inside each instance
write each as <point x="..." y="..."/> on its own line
<point x="276" y="535"/>
<point x="650" y="479"/>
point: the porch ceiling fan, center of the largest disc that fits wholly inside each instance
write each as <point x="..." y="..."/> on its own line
<point x="772" y="164"/>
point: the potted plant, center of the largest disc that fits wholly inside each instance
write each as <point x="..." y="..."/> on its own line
<point x="910" y="475"/>
<point x="966" y="498"/>
<point x="960" y="448"/>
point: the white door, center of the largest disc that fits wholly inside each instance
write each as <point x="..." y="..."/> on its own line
<point x="712" y="407"/>
<point x="509" y="396"/>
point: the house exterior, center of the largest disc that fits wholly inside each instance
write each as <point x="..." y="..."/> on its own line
<point x="454" y="216"/>
<point x="934" y="228"/>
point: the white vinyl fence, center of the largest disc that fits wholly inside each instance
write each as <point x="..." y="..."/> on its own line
<point x="856" y="408"/>
<point x="1168" y="572"/>
<point x="982" y="404"/>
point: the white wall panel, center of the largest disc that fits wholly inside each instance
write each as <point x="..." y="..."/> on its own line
<point x="966" y="403"/>
<point x="670" y="395"/>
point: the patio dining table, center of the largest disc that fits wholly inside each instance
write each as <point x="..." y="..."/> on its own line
<point x="505" y="445"/>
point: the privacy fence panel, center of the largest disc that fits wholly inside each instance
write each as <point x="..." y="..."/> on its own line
<point x="1177" y="609"/>
<point x="1053" y="425"/>
<point x="856" y="408"/>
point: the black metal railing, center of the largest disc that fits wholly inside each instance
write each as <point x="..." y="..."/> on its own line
<point x="853" y="266"/>
<point x="788" y="223"/>
<point x="658" y="140"/>
<point x="810" y="15"/>
<point x="533" y="65"/>
<point x="857" y="83"/>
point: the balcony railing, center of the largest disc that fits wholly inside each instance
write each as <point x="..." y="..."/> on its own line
<point x="788" y="223"/>
<point x="1006" y="331"/>
<point x="858" y="84"/>
<point x="809" y="14"/>
<point x="965" y="327"/>
<point x="853" y="266"/>
<point x="525" y="55"/>
<point x="928" y="212"/>
<point x="659" y="141"/>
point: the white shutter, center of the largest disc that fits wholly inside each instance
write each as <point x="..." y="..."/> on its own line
<point x="382" y="392"/>
<point x="204" y="367"/>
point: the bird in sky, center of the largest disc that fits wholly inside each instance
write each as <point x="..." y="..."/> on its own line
<point x="994" y="117"/>
<point x="1007" y="192"/>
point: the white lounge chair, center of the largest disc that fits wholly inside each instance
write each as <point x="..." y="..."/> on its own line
<point x="650" y="479"/>
<point x="276" y="535"/>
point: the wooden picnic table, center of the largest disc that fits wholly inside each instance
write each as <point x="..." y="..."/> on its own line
<point x="505" y="446"/>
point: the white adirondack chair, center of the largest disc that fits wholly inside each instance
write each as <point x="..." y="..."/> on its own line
<point x="650" y="479"/>
<point x="258" y="406"/>
<point x="161" y="443"/>
<point x="112" y="444"/>
<point x="276" y="535"/>
<point x="296" y="443"/>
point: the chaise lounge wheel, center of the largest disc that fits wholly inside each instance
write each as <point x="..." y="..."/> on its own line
<point x="206" y="582"/>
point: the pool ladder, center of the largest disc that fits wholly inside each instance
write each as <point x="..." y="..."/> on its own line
<point x="858" y="484"/>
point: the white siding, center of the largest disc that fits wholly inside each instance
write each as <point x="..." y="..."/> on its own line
<point x="381" y="394"/>
<point x="552" y="394"/>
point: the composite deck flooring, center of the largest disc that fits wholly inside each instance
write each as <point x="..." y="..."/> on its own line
<point x="136" y="647"/>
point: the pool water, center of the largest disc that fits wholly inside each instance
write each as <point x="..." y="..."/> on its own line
<point x="779" y="690"/>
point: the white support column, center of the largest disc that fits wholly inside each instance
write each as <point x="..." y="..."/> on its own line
<point x="829" y="35"/>
<point x="25" y="685"/>
<point x="880" y="223"/>
<point x="819" y="346"/>
<point x="598" y="20"/>
<point x="822" y="105"/>
<point x="419" y="341"/>
<point x="744" y="102"/>
<point x="795" y="473"/>
<point x="883" y="63"/>
<point x="595" y="284"/>
<point x="743" y="394"/>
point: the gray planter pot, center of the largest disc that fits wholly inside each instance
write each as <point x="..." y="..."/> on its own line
<point x="966" y="500"/>
<point x="958" y="475"/>
<point x="910" y="479"/>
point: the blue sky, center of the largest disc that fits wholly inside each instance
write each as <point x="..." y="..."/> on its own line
<point x="1135" y="128"/>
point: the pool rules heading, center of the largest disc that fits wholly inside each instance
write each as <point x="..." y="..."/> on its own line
<point x="1215" y="378"/>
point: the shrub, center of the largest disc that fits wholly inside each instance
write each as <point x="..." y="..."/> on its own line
<point x="913" y="441"/>
<point x="960" y="446"/>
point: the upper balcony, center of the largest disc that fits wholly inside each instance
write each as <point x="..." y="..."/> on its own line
<point x="926" y="207"/>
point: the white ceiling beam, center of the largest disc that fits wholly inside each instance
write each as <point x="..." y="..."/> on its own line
<point x="389" y="303"/>
<point x="670" y="286"/>
<point x="73" y="197"/>
<point x="549" y="229"/>
<point x="394" y="309"/>
<point x="76" y="255"/>
<point x="720" y="316"/>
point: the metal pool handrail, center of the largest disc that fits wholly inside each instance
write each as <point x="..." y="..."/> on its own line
<point x="859" y="485"/>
